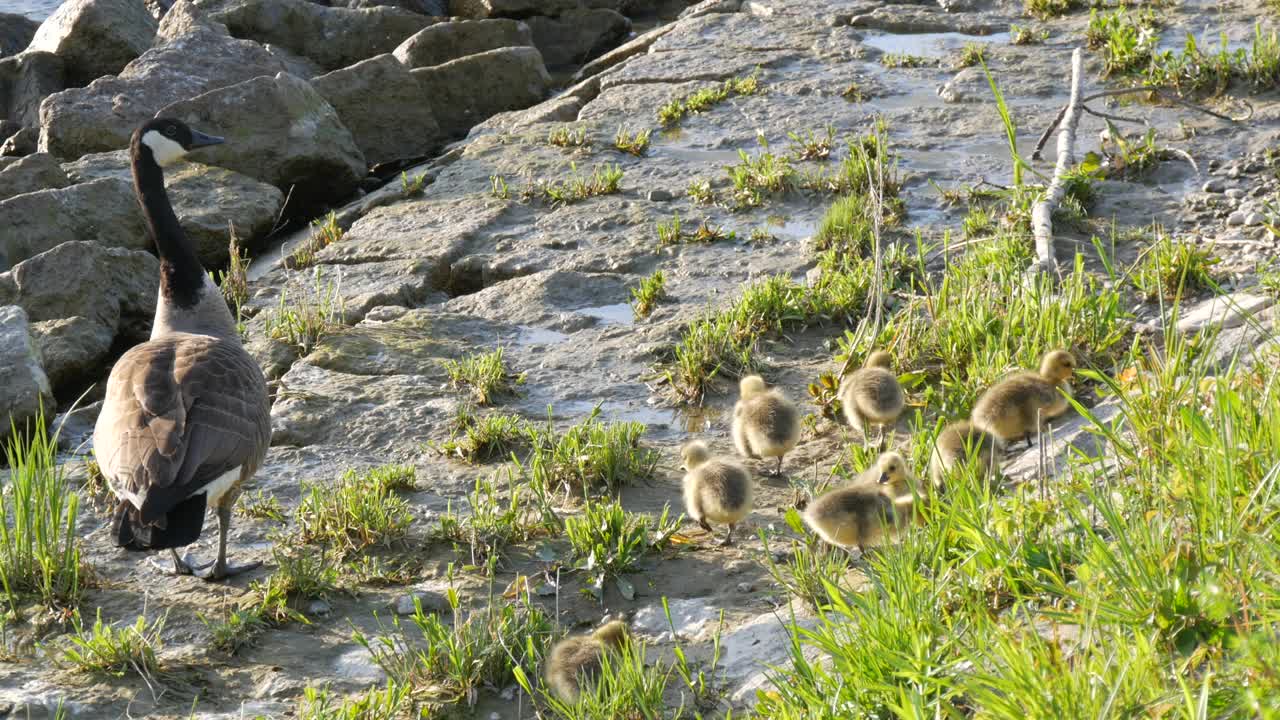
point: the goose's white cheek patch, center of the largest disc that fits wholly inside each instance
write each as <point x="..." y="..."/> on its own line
<point x="163" y="149"/>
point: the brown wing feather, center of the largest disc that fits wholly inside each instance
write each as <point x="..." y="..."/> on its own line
<point x="179" y="412"/>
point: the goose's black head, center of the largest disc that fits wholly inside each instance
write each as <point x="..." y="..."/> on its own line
<point x="167" y="140"/>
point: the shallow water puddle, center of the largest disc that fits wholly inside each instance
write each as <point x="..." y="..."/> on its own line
<point x="929" y="44"/>
<point x="539" y="336"/>
<point x="616" y="314"/>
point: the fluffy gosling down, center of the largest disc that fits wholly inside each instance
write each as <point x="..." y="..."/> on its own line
<point x="865" y="514"/>
<point x="716" y="489"/>
<point x="955" y="445"/>
<point x="765" y="423"/>
<point x="1016" y="407"/>
<point x="576" y="660"/>
<point x="872" y="395"/>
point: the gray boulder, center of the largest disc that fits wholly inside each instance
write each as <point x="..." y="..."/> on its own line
<point x="384" y="107"/>
<point x="577" y="36"/>
<point x="26" y="80"/>
<point x="23" y="384"/>
<point x="467" y="91"/>
<point x="332" y="37"/>
<point x="24" y="387"/>
<point x="208" y="200"/>
<point x="96" y="37"/>
<point x="16" y="32"/>
<point x="102" y="212"/>
<point x="281" y="131"/>
<point x="24" y="142"/>
<point x="78" y="296"/>
<point x="31" y="173"/>
<point x="509" y="8"/>
<point x="193" y="56"/>
<point x="452" y="40"/>
<point x="434" y="8"/>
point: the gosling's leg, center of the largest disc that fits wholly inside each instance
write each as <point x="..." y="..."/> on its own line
<point x="777" y="470"/>
<point x="728" y="537"/>
<point x="220" y="568"/>
<point x="702" y="523"/>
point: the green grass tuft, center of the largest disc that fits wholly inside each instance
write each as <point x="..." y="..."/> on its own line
<point x="607" y="542"/>
<point x="1169" y="269"/>
<point x="301" y="323"/>
<point x="113" y="651"/>
<point x="588" y="456"/>
<point x="567" y="137"/>
<point x="450" y="661"/>
<point x="325" y="233"/>
<point x="362" y="510"/>
<point x="484" y="374"/>
<point x="1048" y="9"/>
<point x="636" y="143"/>
<point x="39" y="546"/>
<point x="675" y="110"/>
<point x="651" y="291"/>
<point x="1022" y="35"/>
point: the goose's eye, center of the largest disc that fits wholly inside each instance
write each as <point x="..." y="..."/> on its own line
<point x="170" y="130"/>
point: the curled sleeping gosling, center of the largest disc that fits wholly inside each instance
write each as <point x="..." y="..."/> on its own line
<point x="864" y="515"/>
<point x="576" y="660"/>
<point x="1017" y="406"/>
<point x="872" y="395"/>
<point x="715" y="489"/>
<point x="765" y="423"/>
<point x="955" y="445"/>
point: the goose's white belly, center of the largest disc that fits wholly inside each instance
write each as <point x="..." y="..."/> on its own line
<point x="219" y="487"/>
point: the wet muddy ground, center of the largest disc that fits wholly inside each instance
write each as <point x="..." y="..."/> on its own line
<point x="458" y="270"/>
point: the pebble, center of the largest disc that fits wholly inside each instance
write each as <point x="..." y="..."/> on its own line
<point x="745" y="587"/>
<point x="1236" y="218"/>
<point x="1235" y="193"/>
<point x="319" y="608"/>
<point x="1254" y="218"/>
<point x="737" y="566"/>
<point x="1215" y="185"/>
<point x="660" y="195"/>
<point x="432" y="602"/>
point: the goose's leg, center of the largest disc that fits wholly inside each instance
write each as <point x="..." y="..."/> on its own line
<point x="777" y="471"/>
<point x="220" y="569"/>
<point x="180" y="565"/>
<point x="728" y="537"/>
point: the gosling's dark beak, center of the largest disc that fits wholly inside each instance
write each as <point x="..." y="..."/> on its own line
<point x="199" y="140"/>
<point x="884" y="478"/>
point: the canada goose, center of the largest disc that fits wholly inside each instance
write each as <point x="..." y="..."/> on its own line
<point x="765" y="423"/>
<point x="865" y="514"/>
<point x="1015" y="407"/>
<point x="954" y="446"/>
<point x="716" y="489"/>
<point x="575" y="660"/>
<point x="872" y="395"/>
<point x="186" y="419"/>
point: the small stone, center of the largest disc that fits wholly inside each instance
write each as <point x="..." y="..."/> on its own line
<point x="737" y="566"/>
<point x="660" y="195"/>
<point x="1235" y="193"/>
<point x="745" y="587"/>
<point x="319" y="608"/>
<point x="1236" y="218"/>
<point x="1215" y="185"/>
<point x="1254" y="218"/>
<point x="432" y="602"/>
<point x="840" y="20"/>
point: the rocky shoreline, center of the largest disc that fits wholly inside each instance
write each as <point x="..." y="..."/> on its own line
<point x="504" y="233"/>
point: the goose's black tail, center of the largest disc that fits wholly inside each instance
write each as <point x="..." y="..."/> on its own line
<point x="180" y="527"/>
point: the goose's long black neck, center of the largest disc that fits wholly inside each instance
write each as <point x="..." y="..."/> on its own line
<point x="181" y="275"/>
